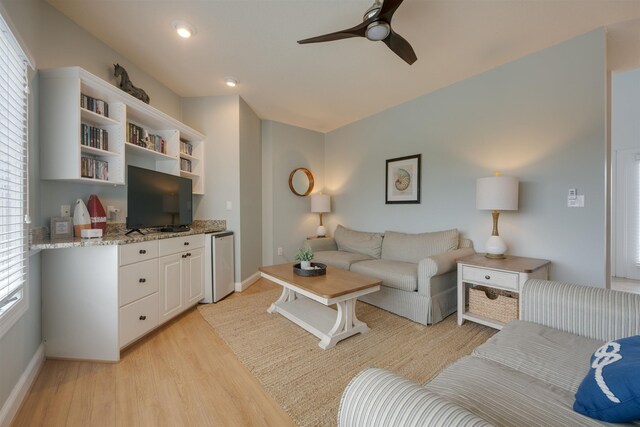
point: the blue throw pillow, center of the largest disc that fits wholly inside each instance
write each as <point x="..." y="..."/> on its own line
<point x="611" y="390"/>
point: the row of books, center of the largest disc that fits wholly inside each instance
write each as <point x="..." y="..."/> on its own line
<point x="185" y="165"/>
<point x="94" y="168"/>
<point x="98" y="106"/>
<point x="186" y="148"/>
<point x="94" y="137"/>
<point x="139" y="136"/>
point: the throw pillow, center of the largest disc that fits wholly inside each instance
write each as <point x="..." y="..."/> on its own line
<point x="358" y="241"/>
<point x="611" y="390"/>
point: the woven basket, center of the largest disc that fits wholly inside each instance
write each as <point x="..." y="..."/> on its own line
<point x="494" y="304"/>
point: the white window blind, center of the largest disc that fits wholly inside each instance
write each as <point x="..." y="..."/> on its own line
<point x="13" y="179"/>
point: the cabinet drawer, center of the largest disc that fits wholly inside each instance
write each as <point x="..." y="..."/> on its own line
<point x="138" y="318"/>
<point x="181" y="244"/>
<point x="485" y="276"/>
<point x="137" y="280"/>
<point x="136" y="252"/>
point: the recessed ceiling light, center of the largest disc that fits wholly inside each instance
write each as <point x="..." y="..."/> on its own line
<point x="184" y="29"/>
<point x="231" y="82"/>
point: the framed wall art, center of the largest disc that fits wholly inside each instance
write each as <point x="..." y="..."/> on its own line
<point x="403" y="180"/>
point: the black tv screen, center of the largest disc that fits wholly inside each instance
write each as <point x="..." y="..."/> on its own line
<point x="156" y="199"/>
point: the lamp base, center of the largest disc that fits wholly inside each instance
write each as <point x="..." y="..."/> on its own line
<point x="321" y="231"/>
<point x="495" y="248"/>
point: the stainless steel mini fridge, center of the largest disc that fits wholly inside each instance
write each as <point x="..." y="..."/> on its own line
<point x="219" y="268"/>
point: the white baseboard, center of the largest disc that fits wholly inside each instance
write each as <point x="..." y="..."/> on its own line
<point x="19" y="392"/>
<point x="241" y="286"/>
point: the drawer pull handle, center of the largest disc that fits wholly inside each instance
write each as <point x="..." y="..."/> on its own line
<point x="184" y="255"/>
<point x="487" y="277"/>
<point x="186" y="243"/>
<point x="143" y="317"/>
<point x="188" y="253"/>
<point x="142" y="280"/>
<point x="142" y="251"/>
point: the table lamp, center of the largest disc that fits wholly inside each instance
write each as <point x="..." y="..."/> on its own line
<point x="496" y="193"/>
<point x="320" y="203"/>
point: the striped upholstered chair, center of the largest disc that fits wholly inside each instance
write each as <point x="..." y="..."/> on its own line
<point x="525" y="375"/>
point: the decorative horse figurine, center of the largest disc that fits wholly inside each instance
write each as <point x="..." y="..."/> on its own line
<point x="127" y="86"/>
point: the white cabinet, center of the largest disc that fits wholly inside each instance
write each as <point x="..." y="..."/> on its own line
<point x="98" y="299"/>
<point x="74" y="133"/>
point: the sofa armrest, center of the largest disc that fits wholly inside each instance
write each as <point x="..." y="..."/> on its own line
<point x="437" y="265"/>
<point x="596" y="313"/>
<point x="376" y="397"/>
<point x="324" y="244"/>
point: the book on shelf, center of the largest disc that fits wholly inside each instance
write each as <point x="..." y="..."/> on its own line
<point x="185" y="165"/>
<point x="186" y="148"/>
<point x="94" y="168"/>
<point x="139" y="136"/>
<point x="98" y="106"/>
<point x="94" y="137"/>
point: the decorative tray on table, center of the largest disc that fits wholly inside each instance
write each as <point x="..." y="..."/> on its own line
<point x="317" y="269"/>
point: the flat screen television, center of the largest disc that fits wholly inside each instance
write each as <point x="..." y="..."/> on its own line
<point x="158" y="200"/>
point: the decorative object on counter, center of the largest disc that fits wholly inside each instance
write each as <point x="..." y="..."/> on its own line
<point x="97" y="215"/>
<point x="304" y="255"/>
<point x="81" y="218"/>
<point x="496" y="193"/>
<point x="61" y="227"/>
<point x="127" y="86"/>
<point x="402" y="180"/>
<point x="315" y="269"/>
<point x="301" y="182"/>
<point x="91" y="233"/>
<point x="320" y="203"/>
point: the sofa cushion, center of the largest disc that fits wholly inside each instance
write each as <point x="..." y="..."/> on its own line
<point x="414" y="247"/>
<point x="394" y="274"/>
<point x="550" y="355"/>
<point x="358" y="241"/>
<point x="611" y="390"/>
<point x="339" y="259"/>
<point x="506" y="397"/>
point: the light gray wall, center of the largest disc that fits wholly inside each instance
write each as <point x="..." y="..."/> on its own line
<point x="250" y="191"/>
<point x="625" y="110"/>
<point x="287" y="218"/>
<point x="541" y="119"/>
<point x="219" y="118"/>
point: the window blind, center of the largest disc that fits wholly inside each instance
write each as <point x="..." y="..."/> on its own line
<point x="13" y="176"/>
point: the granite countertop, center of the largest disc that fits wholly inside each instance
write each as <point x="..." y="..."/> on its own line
<point x="116" y="236"/>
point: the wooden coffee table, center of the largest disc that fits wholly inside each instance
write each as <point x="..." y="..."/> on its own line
<point x="306" y="300"/>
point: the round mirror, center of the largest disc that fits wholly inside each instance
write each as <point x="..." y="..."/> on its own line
<point x="301" y="181"/>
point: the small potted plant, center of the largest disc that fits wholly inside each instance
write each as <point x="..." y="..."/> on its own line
<point x="305" y="256"/>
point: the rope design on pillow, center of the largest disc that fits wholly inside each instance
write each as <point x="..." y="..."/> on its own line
<point x="604" y="357"/>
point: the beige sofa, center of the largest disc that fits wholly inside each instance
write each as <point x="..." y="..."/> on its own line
<point x="418" y="271"/>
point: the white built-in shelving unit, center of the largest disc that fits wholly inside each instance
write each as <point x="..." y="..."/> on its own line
<point x="61" y="118"/>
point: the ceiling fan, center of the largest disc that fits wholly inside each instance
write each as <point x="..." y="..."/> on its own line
<point x="376" y="26"/>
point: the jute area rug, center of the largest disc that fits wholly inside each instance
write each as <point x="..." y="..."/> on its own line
<point x="308" y="381"/>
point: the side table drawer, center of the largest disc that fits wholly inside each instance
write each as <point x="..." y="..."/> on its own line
<point x="137" y="280"/>
<point x="138" y="318"/>
<point x="501" y="279"/>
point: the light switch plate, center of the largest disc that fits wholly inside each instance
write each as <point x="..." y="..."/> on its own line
<point x="229" y="206"/>
<point x="578" y="202"/>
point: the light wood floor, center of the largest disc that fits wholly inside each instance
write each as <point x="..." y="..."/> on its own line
<point x="181" y="375"/>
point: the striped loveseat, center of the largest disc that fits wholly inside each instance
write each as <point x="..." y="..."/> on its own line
<point x="525" y="375"/>
<point x="418" y="271"/>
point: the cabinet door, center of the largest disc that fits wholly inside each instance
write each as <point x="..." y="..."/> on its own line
<point x="193" y="276"/>
<point x="170" y="292"/>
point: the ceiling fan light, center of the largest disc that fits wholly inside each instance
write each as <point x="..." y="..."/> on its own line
<point x="378" y="30"/>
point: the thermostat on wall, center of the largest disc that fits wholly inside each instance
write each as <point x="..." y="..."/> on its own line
<point x="91" y="233"/>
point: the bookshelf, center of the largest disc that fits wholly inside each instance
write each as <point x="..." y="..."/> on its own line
<point x="86" y="121"/>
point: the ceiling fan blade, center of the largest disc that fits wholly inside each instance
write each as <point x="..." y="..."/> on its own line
<point x="388" y="9"/>
<point x="401" y="47"/>
<point x="357" y="31"/>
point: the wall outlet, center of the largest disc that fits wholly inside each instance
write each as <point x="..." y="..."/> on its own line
<point x="280" y="252"/>
<point x="65" y="211"/>
<point x="578" y="202"/>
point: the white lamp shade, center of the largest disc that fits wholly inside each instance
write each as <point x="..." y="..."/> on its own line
<point x="320" y="203"/>
<point x="497" y="193"/>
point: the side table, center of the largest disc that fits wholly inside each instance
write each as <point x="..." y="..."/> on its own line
<point x="505" y="274"/>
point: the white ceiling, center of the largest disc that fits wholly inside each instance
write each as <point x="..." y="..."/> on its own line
<point x="327" y="85"/>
